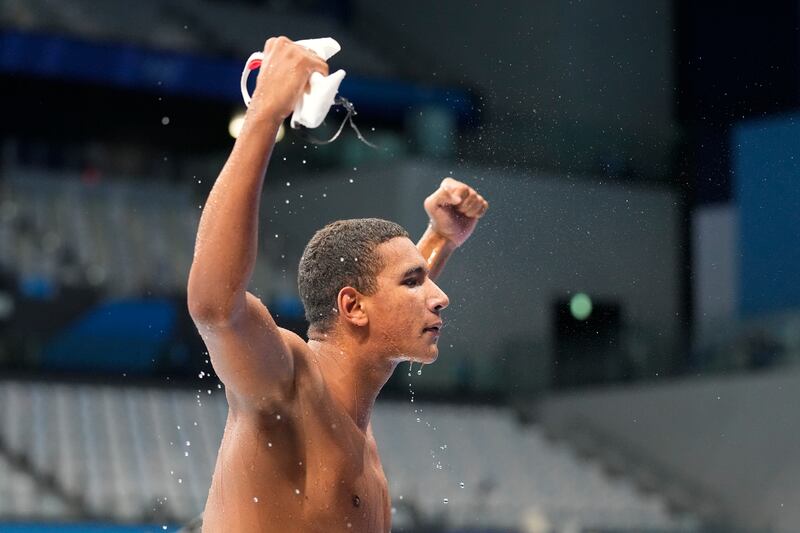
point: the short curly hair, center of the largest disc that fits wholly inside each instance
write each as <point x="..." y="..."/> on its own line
<point x="341" y="254"/>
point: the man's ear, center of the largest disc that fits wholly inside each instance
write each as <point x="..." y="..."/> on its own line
<point x="351" y="308"/>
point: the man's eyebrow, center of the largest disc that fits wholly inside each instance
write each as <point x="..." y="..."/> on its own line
<point x="413" y="271"/>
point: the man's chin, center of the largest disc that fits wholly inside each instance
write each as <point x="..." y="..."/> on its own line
<point x="425" y="358"/>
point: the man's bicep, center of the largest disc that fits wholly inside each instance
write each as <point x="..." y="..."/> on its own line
<point x="250" y="355"/>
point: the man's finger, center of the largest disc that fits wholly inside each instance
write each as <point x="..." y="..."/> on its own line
<point x="483" y="205"/>
<point x="471" y="202"/>
<point x="450" y="182"/>
<point x="480" y="207"/>
<point x="320" y="65"/>
<point x="477" y="211"/>
<point x="449" y="195"/>
<point x="317" y="66"/>
<point x="460" y="191"/>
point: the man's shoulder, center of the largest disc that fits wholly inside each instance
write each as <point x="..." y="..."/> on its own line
<point x="294" y="341"/>
<point x="307" y="381"/>
<point x="306" y="372"/>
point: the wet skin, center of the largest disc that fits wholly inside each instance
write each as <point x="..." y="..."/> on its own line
<point x="308" y="461"/>
<point x="312" y="469"/>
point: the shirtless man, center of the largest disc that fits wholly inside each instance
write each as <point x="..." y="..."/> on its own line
<point x="298" y="453"/>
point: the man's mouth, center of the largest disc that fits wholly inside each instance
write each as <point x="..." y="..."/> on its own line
<point x="435" y="328"/>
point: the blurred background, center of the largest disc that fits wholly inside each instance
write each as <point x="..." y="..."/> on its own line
<point x="623" y="337"/>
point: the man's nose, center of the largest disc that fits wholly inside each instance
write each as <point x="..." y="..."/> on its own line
<point x="439" y="299"/>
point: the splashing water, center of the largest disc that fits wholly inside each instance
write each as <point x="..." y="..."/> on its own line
<point x="410" y="390"/>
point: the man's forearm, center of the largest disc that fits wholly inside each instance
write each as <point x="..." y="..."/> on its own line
<point x="227" y="237"/>
<point x="436" y="250"/>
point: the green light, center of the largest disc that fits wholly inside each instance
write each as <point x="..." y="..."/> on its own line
<point x="580" y="306"/>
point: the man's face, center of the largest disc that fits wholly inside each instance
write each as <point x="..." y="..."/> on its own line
<point x="406" y="303"/>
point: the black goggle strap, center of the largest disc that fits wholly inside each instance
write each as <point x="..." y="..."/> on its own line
<point x="302" y="131"/>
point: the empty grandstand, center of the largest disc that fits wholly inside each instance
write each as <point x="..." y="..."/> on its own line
<point x="144" y="454"/>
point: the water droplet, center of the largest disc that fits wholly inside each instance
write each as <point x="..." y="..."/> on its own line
<point x="180" y="480"/>
<point x="188" y="443"/>
<point x="461" y="484"/>
<point x="297" y="491"/>
<point x="341" y="259"/>
<point x="278" y="417"/>
<point x="446" y="501"/>
<point x="164" y="120"/>
<point x="304" y="161"/>
<point x="324" y="195"/>
<point x="269" y="444"/>
<point x="351" y="180"/>
<point x="287" y="201"/>
<point x="255" y="499"/>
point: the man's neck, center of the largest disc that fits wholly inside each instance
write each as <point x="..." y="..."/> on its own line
<point x="354" y="374"/>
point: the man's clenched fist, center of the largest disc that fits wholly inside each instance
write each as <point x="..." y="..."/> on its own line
<point x="454" y="209"/>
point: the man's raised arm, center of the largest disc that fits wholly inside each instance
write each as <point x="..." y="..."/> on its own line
<point x="247" y="349"/>
<point x="454" y="209"/>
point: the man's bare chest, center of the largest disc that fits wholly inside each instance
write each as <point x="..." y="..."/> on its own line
<point x="317" y="454"/>
<point x="342" y="470"/>
<point x="294" y="475"/>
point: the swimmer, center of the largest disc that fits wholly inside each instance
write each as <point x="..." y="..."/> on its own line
<point x="298" y="453"/>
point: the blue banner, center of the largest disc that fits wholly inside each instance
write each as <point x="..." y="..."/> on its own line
<point x="135" y="67"/>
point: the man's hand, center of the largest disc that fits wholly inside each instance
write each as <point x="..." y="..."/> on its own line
<point x="283" y="76"/>
<point x="454" y="209"/>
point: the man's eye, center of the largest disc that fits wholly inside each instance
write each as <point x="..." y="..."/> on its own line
<point x="411" y="281"/>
